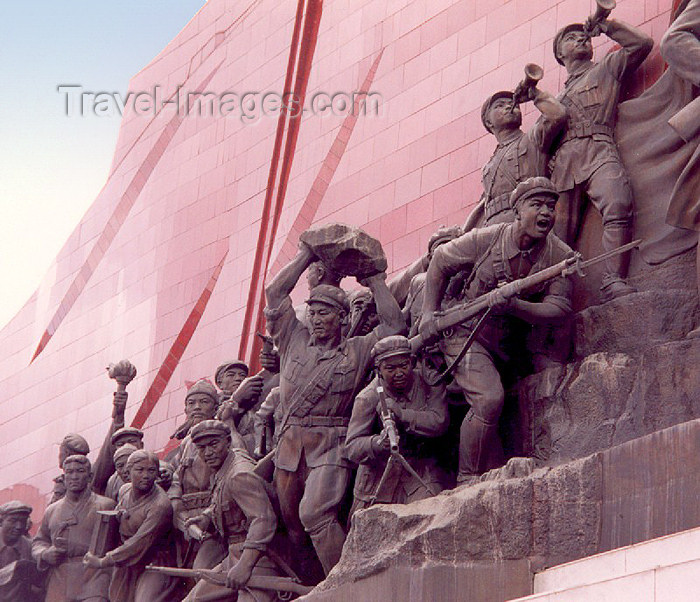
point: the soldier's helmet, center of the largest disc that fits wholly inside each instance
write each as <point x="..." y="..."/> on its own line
<point x="442" y="235"/>
<point x="14" y="507"/>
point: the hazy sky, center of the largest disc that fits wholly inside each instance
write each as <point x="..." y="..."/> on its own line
<point x="52" y="166"/>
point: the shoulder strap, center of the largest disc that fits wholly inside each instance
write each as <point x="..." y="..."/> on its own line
<point x="482" y="259"/>
<point x="305" y="395"/>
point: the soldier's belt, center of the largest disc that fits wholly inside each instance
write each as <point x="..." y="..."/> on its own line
<point x="585" y="129"/>
<point x="318" y="421"/>
<point x="198" y="499"/>
<point x="497" y="205"/>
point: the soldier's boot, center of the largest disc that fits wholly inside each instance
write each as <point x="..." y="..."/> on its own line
<point x="614" y="284"/>
<point x="475" y="437"/>
<point x="328" y="542"/>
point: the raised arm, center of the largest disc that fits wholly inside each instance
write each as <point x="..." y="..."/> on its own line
<point x="636" y="45"/>
<point x="552" y="120"/>
<point x="283" y="284"/>
<point x="104" y="465"/>
<point x="388" y="310"/>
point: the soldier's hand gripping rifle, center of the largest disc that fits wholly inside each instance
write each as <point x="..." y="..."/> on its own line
<point x="266" y="582"/>
<point x="389" y="426"/>
<point x="430" y="331"/>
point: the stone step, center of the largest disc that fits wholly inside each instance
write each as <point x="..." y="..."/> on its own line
<point x="674" y="583"/>
<point x="666" y="569"/>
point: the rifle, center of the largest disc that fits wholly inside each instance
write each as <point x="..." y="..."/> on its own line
<point x="466" y="311"/>
<point x="389" y="425"/>
<point x="266" y="582"/>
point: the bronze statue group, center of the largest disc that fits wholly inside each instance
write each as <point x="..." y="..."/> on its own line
<point x="388" y="395"/>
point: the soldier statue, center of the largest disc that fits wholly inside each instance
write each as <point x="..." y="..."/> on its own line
<point x="145" y="520"/>
<point x="19" y="579"/>
<point x="518" y="155"/>
<point x="122" y="437"/>
<point x="64" y="537"/>
<point x="492" y="256"/>
<point x="190" y="491"/>
<point x="121" y="475"/>
<point x="418" y="411"/>
<point x="240" y="513"/>
<point x="321" y="372"/>
<point x="585" y="158"/>
<point x="72" y="444"/>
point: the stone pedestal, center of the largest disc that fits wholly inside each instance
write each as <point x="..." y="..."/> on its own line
<point x="606" y="453"/>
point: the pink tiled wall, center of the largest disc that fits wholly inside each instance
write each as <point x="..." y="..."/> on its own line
<point x="184" y="192"/>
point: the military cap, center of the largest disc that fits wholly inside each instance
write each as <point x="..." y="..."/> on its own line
<point x="80" y="459"/>
<point x="209" y="428"/>
<point x="531" y="187"/>
<point x="442" y="235"/>
<point x="219" y="374"/>
<point x="14" y="507"/>
<point x="560" y="35"/>
<point x="330" y="295"/>
<point x="389" y="347"/>
<point x="125" y="450"/>
<point x="76" y="443"/>
<point x="487" y="105"/>
<point x="204" y="387"/>
<point x="126" y="430"/>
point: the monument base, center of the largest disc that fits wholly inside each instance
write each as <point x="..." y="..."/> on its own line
<point x="485" y="542"/>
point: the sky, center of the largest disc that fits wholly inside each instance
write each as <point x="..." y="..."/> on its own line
<point x="52" y="166"/>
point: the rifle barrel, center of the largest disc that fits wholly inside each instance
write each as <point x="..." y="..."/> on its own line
<point x="565" y="268"/>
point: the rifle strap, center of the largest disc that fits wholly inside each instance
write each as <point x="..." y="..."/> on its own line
<point x="484" y="257"/>
<point x="463" y="351"/>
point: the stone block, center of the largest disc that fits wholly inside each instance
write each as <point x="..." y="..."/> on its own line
<point x="644" y="488"/>
<point x="637" y="322"/>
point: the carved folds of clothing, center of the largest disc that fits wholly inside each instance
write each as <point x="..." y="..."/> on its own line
<point x="318" y="425"/>
<point x="145" y="531"/>
<point x="425" y="412"/>
<point x="69" y="525"/>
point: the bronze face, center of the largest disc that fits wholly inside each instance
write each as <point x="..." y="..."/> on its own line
<point x="397" y="372"/>
<point x="200" y="406"/>
<point x="231" y="378"/>
<point x="575" y="45"/>
<point x="536" y="215"/>
<point x="324" y="321"/>
<point x="77" y="476"/>
<point x="13" y="527"/>
<point x="213" y="449"/>
<point x="143" y="475"/>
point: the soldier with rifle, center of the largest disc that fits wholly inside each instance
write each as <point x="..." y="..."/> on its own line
<point x="321" y="372"/>
<point x="240" y="513"/>
<point x="392" y="422"/>
<point x="492" y="257"/>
